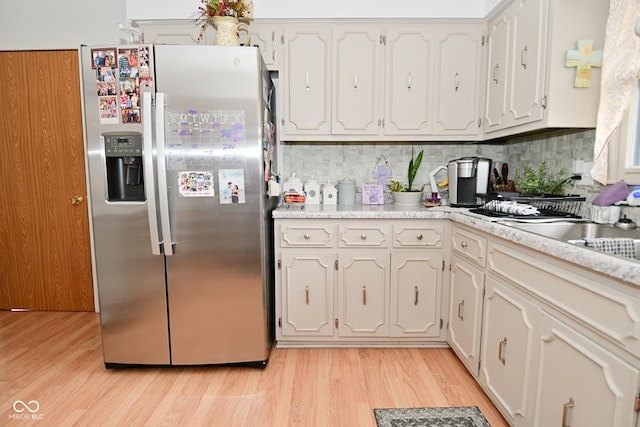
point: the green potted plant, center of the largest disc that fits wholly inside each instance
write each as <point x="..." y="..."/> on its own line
<point x="406" y="194"/>
<point x="541" y="181"/>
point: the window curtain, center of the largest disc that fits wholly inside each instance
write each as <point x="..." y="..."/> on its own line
<point x="620" y="74"/>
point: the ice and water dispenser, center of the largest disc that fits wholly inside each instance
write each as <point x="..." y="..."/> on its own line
<point x="123" y="154"/>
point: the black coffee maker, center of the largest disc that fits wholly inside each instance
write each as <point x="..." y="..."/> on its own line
<point x="469" y="181"/>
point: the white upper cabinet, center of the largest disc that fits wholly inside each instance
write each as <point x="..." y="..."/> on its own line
<point x="307" y="81"/>
<point x="528" y="83"/>
<point x="267" y="37"/>
<point x="458" y="80"/>
<point x="408" y="80"/>
<point x="356" y="79"/>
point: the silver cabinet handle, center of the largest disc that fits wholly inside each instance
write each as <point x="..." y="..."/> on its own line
<point x="464" y="244"/>
<point x="567" y="407"/>
<point x="355" y="81"/>
<point x="409" y="81"/>
<point x="502" y="350"/>
<point x="495" y="73"/>
<point x="307" y="236"/>
<point x="363" y="237"/>
<point x="308" y="84"/>
<point x="415" y="301"/>
<point x="457" y="80"/>
<point x="419" y="236"/>
<point x="523" y="58"/>
<point x="364" y="295"/>
<point x="306" y="291"/>
<point x="461" y="311"/>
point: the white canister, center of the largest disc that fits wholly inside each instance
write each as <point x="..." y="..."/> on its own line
<point x="312" y="192"/>
<point x="293" y="183"/>
<point x="347" y="192"/>
<point x="329" y="194"/>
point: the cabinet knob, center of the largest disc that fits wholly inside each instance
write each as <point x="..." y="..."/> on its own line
<point x="307" y="236"/>
<point x="419" y="236"/>
<point x="464" y="244"/>
<point x="363" y="236"/>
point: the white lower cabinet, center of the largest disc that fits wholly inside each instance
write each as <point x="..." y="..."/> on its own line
<point x="307" y="295"/>
<point x="465" y="312"/>
<point x="416" y="292"/>
<point x="359" y="281"/>
<point x="363" y="286"/>
<point x="580" y="383"/>
<point x="507" y="347"/>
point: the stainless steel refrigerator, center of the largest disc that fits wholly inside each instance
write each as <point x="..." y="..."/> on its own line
<point x="180" y="148"/>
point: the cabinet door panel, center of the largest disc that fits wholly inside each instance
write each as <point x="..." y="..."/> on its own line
<point x="416" y="293"/>
<point x="307" y="295"/>
<point x="458" y="83"/>
<point x="356" y="93"/>
<point x="307" y="77"/>
<point x="580" y="383"/>
<point x="465" y="312"/>
<point x="526" y="84"/>
<point x="498" y="58"/>
<point x="507" y="346"/>
<point x="363" y="285"/>
<point x="408" y="81"/>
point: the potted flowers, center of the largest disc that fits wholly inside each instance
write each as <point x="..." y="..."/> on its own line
<point x="407" y="195"/>
<point x="227" y="17"/>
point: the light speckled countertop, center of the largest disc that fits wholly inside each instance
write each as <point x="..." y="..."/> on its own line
<point x="617" y="267"/>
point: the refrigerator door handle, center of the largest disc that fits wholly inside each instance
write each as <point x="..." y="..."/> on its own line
<point x="149" y="186"/>
<point x="163" y="195"/>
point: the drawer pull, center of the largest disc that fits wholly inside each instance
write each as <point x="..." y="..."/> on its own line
<point x="461" y="311"/>
<point x="464" y="244"/>
<point x="363" y="237"/>
<point x="457" y="80"/>
<point x="306" y="291"/>
<point x="419" y="236"/>
<point x="364" y="295"/>
<point x="567" y="407"/>
<point x="307" y="236"/>
<point x="502" y="350"/>
<point x="415" y="301"/>
<point x="308" y="83"/>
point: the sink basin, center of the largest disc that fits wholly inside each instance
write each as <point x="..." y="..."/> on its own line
<point x="576" y="232"/>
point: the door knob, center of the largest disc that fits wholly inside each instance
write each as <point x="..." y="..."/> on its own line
<point x="76" y="200"/>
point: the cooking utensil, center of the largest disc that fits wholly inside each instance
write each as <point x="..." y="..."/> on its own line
<point x="497" y="175"/>
<point x="505" y="173"/>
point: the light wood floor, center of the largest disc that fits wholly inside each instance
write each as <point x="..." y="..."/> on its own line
<point x="55" y="359"/>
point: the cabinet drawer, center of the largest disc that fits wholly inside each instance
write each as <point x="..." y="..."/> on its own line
<point x="321" y="236"/>
<point x="470" y="245"/>
<point x="371" y="235"/>
<point x="414" y="235"/>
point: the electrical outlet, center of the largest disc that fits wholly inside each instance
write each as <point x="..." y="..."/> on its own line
<point x="586" y="174"/>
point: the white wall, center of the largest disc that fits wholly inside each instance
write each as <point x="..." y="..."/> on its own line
<point x="139" y="9"/>
<point x="66" y="24"/>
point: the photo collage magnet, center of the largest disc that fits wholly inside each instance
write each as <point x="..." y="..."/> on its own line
<point x="120" y="73"/>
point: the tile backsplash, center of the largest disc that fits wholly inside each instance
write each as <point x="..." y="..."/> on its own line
<point x="328" y="161"/>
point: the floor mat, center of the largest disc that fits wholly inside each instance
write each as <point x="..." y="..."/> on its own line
<point x="456" y="416"/>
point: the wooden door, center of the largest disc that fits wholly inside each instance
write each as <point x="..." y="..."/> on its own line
<point x="45" y="260"/>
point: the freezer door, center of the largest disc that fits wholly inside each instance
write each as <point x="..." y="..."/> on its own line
<point x="130" y="279"/>
<point x="217" y="285"/>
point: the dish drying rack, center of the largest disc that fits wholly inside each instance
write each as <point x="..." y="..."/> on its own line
<point x="548" y="206"/>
